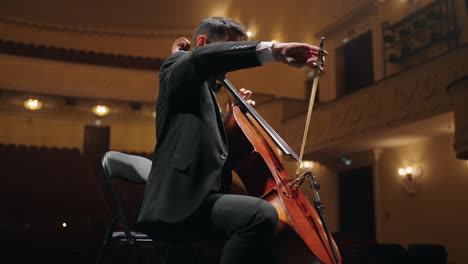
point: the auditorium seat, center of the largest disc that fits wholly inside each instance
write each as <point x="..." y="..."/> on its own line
<point x="427" y="254"/>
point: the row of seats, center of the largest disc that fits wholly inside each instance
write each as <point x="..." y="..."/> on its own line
<point x="49" y="185"/>
<point x="355" y="250"/>
<point x="25" y="148"/>
<point x="30" y="148"/>
<point x="56" y="207"/>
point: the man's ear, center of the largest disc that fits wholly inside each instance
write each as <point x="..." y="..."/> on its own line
<point x="201" y="41"/>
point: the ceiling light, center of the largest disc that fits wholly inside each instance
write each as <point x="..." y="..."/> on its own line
<point x="33" y="104"/>
<point x="101" y="110"/>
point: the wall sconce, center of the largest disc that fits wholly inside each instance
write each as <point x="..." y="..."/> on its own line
<point x="101" y="110"/>
<point x="410" y="178"/>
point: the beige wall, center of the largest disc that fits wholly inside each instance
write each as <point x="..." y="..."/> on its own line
<point x="139" y="137"/>
<point x="55" y="132"/>
<point x="438" y="212"/>
<point x="40" y="131"/>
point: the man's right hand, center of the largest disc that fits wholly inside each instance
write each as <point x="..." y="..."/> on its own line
<point x="297" y="54"/>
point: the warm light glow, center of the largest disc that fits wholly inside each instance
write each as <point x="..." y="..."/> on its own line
<point x="410" y="178"/>
<point x="401" y="171"/>
<point x="101" y="110"/>
<point x="307" y="164"/>
<point x="273" y="40"/>
<point x="220" y="9"/>
<point x="409" y="170"/>
<point x="33" y="104"/>
<point x="249" y="34"/>
<point x="64" y="224"/>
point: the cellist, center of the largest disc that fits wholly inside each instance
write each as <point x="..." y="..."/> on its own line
<point x="187" y="194"/>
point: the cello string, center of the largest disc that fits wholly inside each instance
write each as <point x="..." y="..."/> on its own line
<point x="286" y="149"/>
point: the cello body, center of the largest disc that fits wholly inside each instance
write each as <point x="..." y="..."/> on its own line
<point x="300" y="237"/>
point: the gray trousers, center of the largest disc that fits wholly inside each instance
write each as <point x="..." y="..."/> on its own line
<point x="246" y="224"/>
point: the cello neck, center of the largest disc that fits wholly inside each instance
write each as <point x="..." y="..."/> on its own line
<point x="280" y="143"/>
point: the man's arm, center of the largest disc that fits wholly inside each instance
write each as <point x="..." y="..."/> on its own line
<point x="202" y="63"/>
<point x="191" y="69"/>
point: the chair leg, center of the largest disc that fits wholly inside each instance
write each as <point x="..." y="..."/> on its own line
<point x="135" y="253"/>
<point x="162" y="255"/>
<point x="107" y="239"/>
<point x="102" y="251"/>
<point x="195" y="255"/>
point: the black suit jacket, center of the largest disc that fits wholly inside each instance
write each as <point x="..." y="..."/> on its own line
<point x="191" y="150"/>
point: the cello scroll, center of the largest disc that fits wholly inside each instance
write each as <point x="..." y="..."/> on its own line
<point x="180" y="44"/>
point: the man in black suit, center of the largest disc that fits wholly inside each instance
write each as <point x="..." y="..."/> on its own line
<point x="186" y="196"/>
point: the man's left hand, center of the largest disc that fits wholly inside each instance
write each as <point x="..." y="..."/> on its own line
<point x="246" y="94"/>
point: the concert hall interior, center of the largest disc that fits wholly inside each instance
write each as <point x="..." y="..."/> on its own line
<point x="388" y="137"/>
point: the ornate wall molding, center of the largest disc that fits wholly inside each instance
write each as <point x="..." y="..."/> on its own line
<point x="21" y="73"/>
<point x="359" y="11"/>
<point x="153" y="44"/>
<point x="411" y="96"/>
<point x="94" y="31"/>
<point x="79" y="56"/>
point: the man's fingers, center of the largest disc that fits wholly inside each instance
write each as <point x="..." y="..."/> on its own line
<point x="245" y="93"/>
<point x="251" y="102"/>
<point x="229" y="105"/>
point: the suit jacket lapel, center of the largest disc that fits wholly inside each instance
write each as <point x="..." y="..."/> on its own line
<point x="218" y="113"/>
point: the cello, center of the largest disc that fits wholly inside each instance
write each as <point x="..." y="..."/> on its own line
<point x="256" y="151"/>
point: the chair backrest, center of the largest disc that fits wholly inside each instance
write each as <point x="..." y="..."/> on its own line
<point x="131" y="168"/>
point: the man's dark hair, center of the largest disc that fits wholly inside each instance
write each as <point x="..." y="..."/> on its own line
<point x="216" y="28"/>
